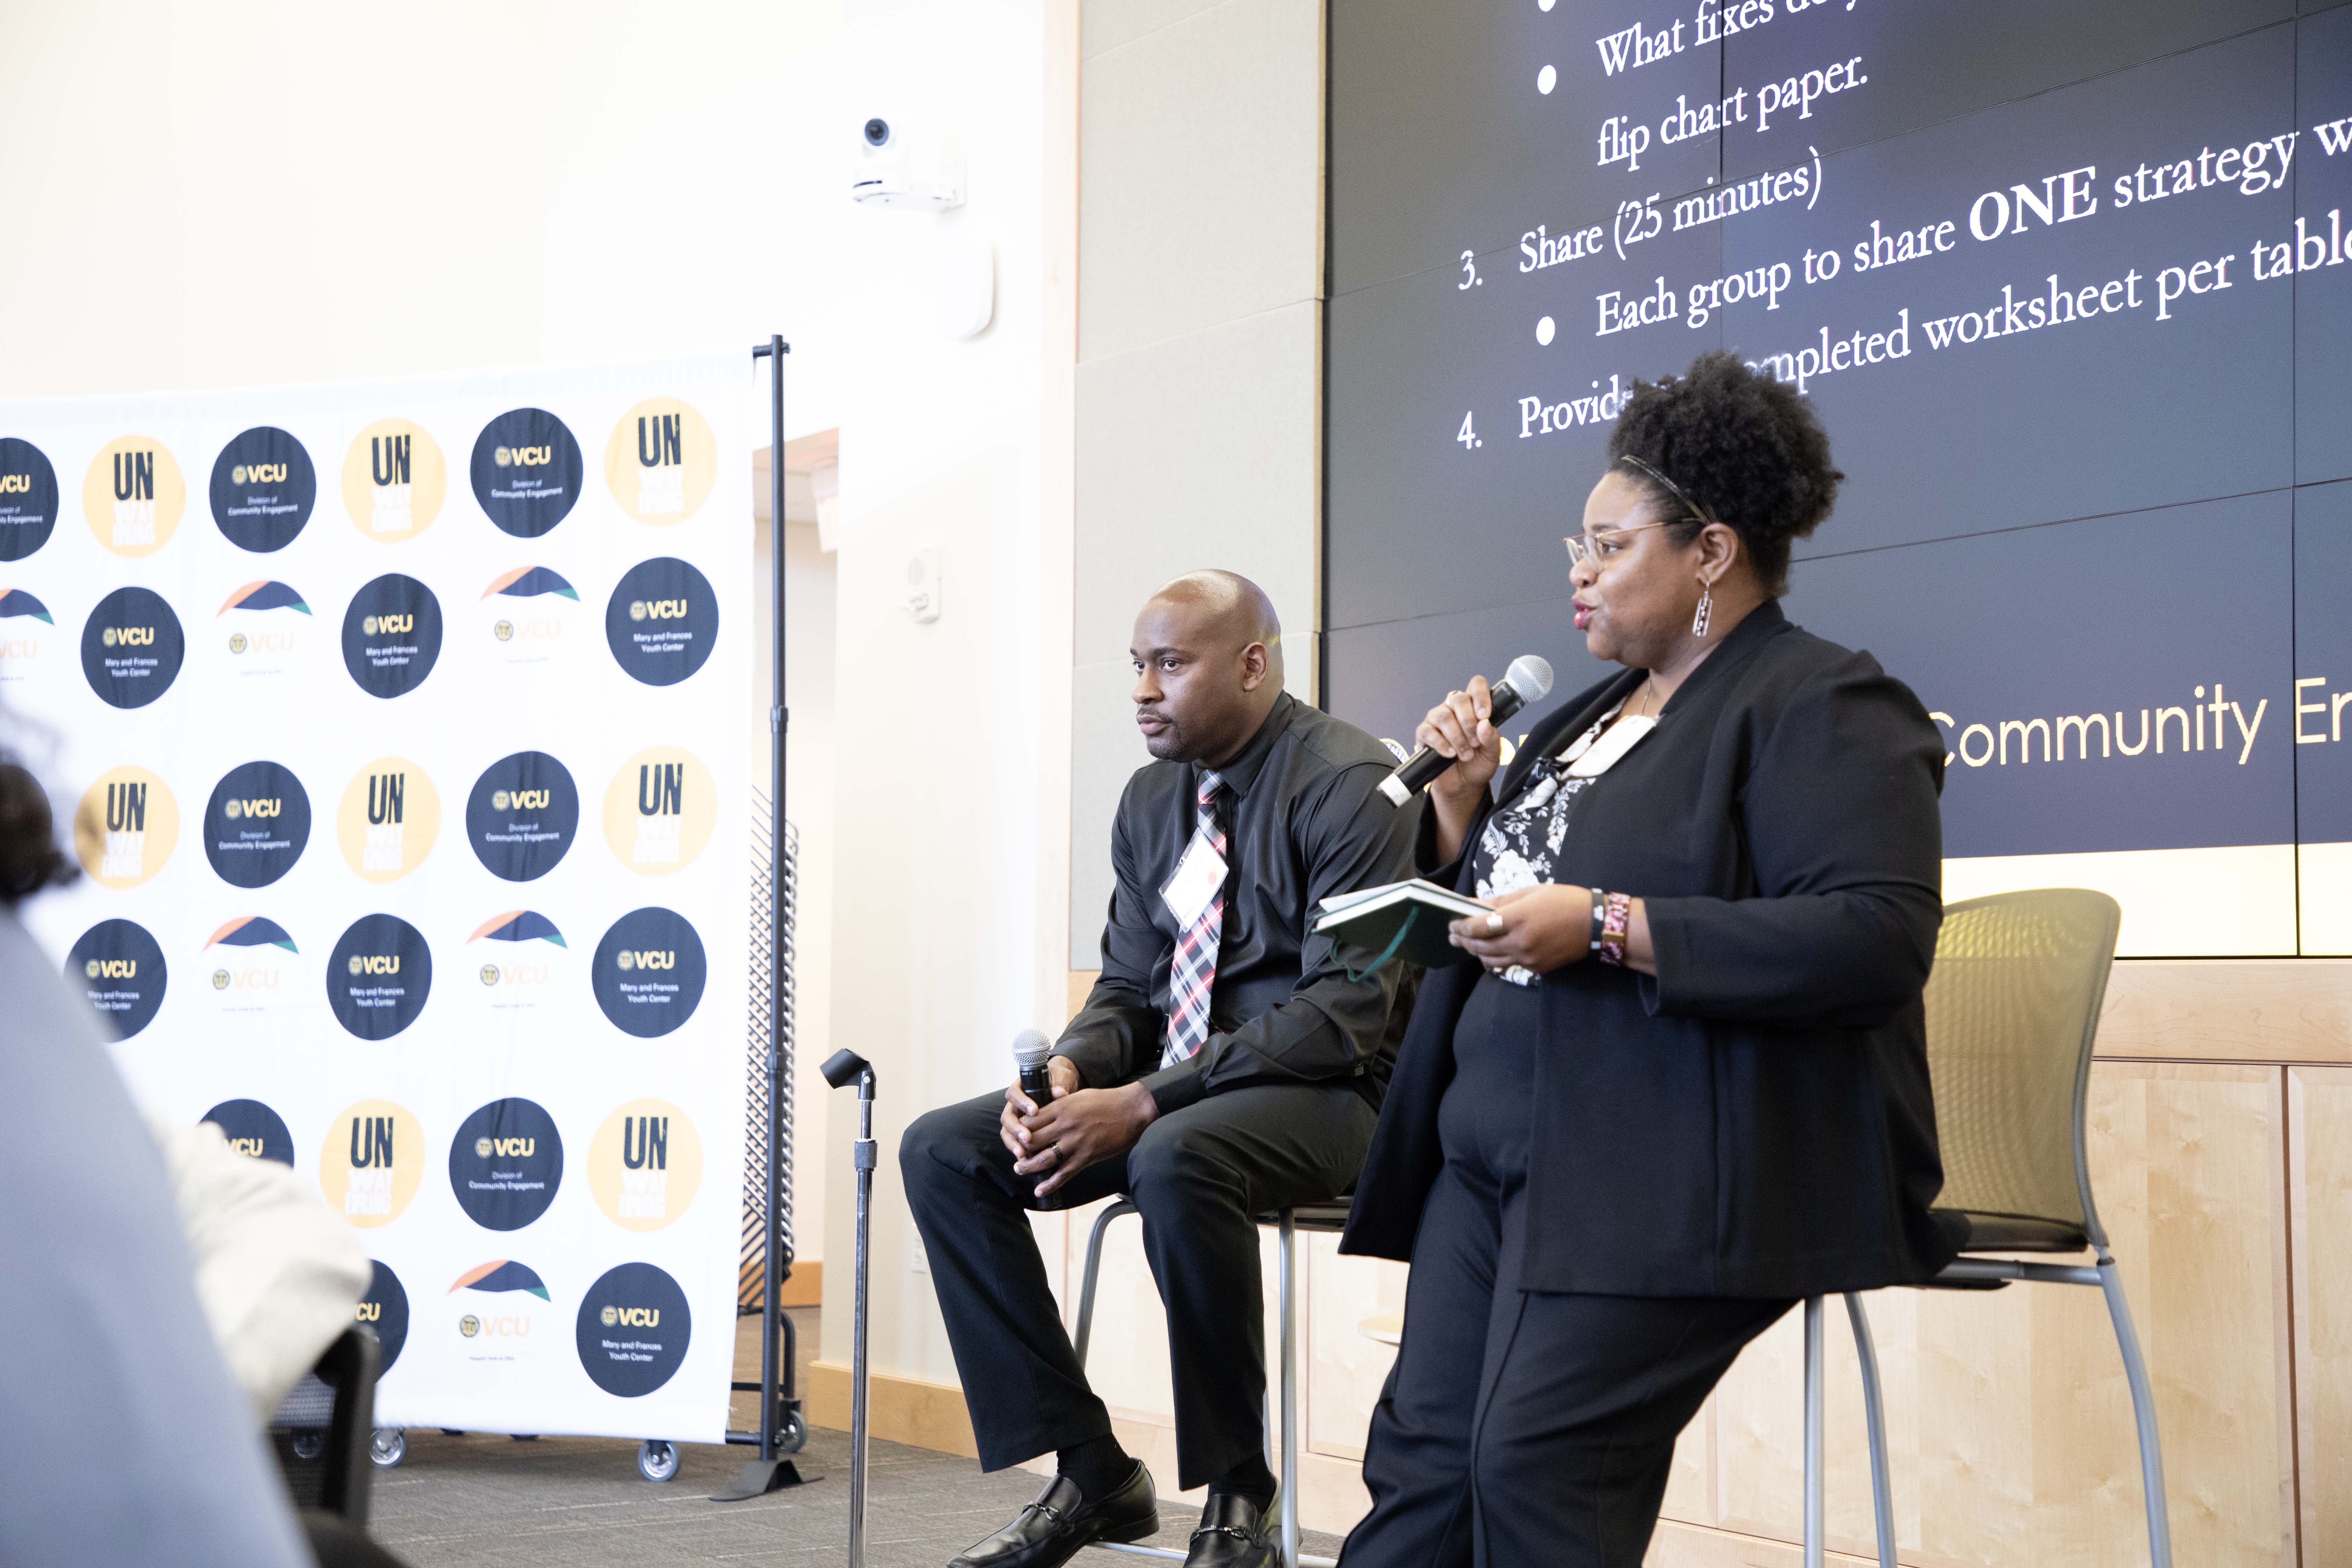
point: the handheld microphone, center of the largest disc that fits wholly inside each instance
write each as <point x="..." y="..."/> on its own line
<point x="1032" y="1051"/>
<point x="1528" y="680"/>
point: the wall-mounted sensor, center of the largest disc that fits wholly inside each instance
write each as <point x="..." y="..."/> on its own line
<point x="922" y="600"/>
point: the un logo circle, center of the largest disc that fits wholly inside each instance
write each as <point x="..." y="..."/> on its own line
<point x="470" y="1325"/>
<point x="636" y="609"/>
<point x="626" y="959"/>
<point x="502" y="457"/>
<point x="503" y="631"/>
<point x="109" y="636"/>
<point x="489" y="974"/>
<point x="611" y="1316"/>
<point x="482" y="1148"/>
<point x="236" y="642"/>
<point x="356" y="966"/>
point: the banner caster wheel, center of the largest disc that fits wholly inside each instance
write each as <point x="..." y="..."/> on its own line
<point x="794" y="1436"/>
<point x="656" y="1460"/>
<point x="388" y="1446"/>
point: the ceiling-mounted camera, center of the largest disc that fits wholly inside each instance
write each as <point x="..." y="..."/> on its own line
<point x="901" y="163"/>
<point x="878" y="133"/>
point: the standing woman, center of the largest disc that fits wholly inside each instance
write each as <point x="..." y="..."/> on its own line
<point x="1679" y="1080"/>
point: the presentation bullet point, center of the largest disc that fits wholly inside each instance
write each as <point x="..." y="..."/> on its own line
<point x="1544" y="330"/>
<point x="1545" y="79"/>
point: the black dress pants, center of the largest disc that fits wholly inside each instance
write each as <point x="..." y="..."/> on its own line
<point x="1199" y="1175"/>
<point x="1521" y="1427"/>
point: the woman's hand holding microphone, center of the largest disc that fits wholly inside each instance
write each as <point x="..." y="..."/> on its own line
<point x="1461" y="728"/>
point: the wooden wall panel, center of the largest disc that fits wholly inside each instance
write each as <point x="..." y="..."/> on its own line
<point x="2255" y="1010"/>
<point x="2320" y="1102"/>
<point x="2010" y="1425"/>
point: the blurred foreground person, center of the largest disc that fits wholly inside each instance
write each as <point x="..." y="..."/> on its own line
<point x="1683" y="1084"/>
<point x="1225" y="1064"/>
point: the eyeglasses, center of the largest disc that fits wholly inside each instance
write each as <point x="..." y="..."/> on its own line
<point x="1602" y="549"/>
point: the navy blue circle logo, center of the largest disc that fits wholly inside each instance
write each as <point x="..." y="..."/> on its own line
<point x="131" y="647"/>
<point x="257" y="824"/>
<point x="263" y="489"/>
<point x="662" y="621"/>
<point x="379" y="976"/>
<point x="252" y="1128"/>
<point x="526" y="471"/>
<point x="522" y="816"/>
<point x="384" y="1309"/>
<point x="505" y="1164"/>
<point x="649" y="973"/>
<point x="633" y="1328"/>
<point x="118" y="968"/>
<point x="28" y="499"/>
<point x="392" y="636"/>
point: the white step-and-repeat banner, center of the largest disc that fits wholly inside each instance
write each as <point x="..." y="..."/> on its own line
<point x="401" y="725"/>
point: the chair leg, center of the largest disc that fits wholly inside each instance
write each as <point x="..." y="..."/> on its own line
<point x="1881" y="1494"/>
<point x="1094" y="1267"/>
<point x="2151" y="1456"/>
<point x="1287" y="1310"/>
<point x="1812" y="1432"/>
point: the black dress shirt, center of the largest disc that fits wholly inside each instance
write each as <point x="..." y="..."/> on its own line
<point x="1303" y="819"/>
<point x="1756" y="1118"/>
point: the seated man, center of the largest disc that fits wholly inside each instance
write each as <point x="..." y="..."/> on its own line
<point x="1223" y="1066"/>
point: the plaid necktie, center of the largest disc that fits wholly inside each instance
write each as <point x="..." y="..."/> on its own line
<point x="1193" y="970"/>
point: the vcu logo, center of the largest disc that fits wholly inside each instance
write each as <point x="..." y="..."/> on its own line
<point x="645" y="958"/>
<point x="134" y="499"/>
<point x="16" y="484"/>
<point x="630" y="1317"/>
<point x="126" y="831"/>
<point x="250" y="1147"/>
<point x="374" y="963"/>
<point x="658" y="609"/>
<point x="388" y="471"/>
<point x="111" y="968"/>
<point x="389" y="626"/>
<point x="370" y="1192"/>
<point x="523" y="457"/>
<point x="520" y="799"/>
<point x="505" y="1148"/>
<point x="237" y="808"/>
<point x="367" y="1312"/>
<point x="257" y="474"/>
<point x="128" y="636"/>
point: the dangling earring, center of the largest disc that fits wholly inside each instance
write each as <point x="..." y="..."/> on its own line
<point x="1706" y="610"/>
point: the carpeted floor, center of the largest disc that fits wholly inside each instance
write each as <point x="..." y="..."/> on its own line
<point x="482" y="1501"/>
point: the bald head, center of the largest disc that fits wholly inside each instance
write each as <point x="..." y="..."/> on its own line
<point x="1208" y="662"/>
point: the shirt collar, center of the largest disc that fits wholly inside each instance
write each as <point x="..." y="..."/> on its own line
<point x="1243" y="771"/>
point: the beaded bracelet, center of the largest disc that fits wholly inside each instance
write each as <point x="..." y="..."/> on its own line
<point x="1617" y="913"/>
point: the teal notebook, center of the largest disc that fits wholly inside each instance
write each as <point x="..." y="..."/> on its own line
<point x="1404" y="921"/>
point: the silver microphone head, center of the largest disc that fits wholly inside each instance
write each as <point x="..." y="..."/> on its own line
<point x="1530" y="677"/>
<point x="1030" y="1048"/>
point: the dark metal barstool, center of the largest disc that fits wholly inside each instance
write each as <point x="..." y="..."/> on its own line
<point x="1287" y="1223"/>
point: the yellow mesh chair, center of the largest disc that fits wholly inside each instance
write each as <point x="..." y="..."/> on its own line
<point x="2012" y="1010"/>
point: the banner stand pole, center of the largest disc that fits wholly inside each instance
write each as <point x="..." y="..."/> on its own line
<point x="779" y="1407"/>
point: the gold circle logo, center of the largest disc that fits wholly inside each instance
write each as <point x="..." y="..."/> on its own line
<point x="645" y="1164"/>
<point x="220" y="979"/>
<point x="499" y="798"/>
<point x="502" y="457"/>
<point x="610" y="1316"/>
<point x="470" y="1325"/>
<point x="626" y="959"/>
<point x="388" y="819"/>
<point x="637" y="611"/>
<point x="236" y="642"/>
<point x="236" y="475"/>
<point x="368" y="626"/>
<point x="503" y="631"/>
<point x="370" y="1163"/>
<point x="233" y="810"/>
<point x="481" y="1148"/>
<point x="133" y="496"/>
<point x="661" y="462"/>
<point x="489" y="974"/>
<point x="660" y="810"/>
<point x="357" y="964"/>
<point x="125" y="828"/>
<point x="110" y="635"/>
<point x="91" y="969"/>
<point x="394" y="480"/>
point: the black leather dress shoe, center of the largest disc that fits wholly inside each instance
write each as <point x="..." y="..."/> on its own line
<point x="1052" y="1530"/>
<point x="1235" y="1533"/>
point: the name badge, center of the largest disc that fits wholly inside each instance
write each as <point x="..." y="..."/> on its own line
<point x="1198" y="877"/>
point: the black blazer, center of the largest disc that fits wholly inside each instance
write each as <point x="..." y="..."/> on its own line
<point x="1756" y="1119"/>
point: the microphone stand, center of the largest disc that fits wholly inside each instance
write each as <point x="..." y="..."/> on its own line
<point x="844" y="1067"/>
